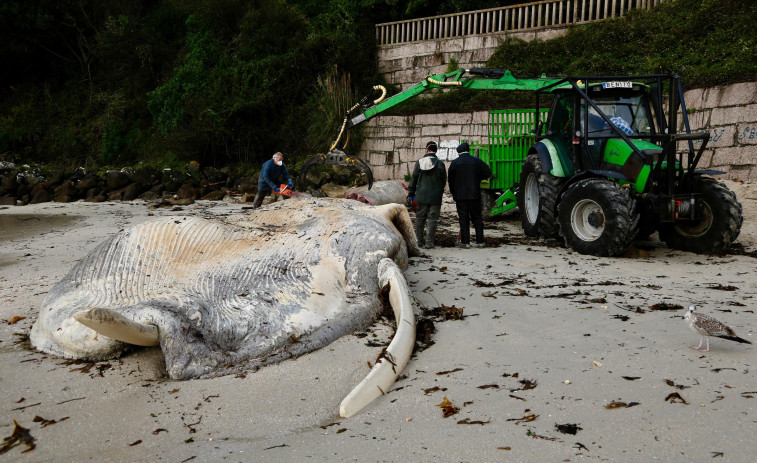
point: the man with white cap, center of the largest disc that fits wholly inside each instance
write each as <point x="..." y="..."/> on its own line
<point x="426" y="188"/>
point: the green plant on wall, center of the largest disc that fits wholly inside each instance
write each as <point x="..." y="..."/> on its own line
<point x="452" y="65"/>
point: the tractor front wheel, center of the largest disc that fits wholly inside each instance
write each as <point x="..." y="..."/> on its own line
<point x="537" y="197"/>
<point x="597" y="217"/>
<point x="719" y="227"/>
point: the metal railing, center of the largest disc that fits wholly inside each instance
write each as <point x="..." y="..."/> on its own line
<point x="529" y="16"/>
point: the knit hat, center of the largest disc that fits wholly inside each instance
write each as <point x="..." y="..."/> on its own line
<point x="463" y="148"/>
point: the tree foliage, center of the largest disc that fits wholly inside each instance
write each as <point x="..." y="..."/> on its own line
<point x="95" y="83"/>
<point x="709" y="42"/>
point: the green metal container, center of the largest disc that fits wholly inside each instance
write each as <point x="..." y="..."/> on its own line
<point x="510" y="137"/>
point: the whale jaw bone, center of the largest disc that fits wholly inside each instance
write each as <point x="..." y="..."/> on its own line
<point x="386" y="370"/>
<point x="114" y="325"/>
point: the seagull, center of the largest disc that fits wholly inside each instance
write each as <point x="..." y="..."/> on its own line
<point x="707" y="326"/>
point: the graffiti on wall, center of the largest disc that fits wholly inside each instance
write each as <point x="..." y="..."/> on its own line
<point x="447" y="150"/>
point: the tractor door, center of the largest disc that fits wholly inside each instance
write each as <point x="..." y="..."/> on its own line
<point x="560" y="121"/>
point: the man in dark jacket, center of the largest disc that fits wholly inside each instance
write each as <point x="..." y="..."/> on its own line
<point x="426" y="188"/>
<point x="273" y="170"/>
<point x="465" y="176"/>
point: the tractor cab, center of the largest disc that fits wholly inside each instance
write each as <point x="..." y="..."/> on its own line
<point x="588" y="140"/>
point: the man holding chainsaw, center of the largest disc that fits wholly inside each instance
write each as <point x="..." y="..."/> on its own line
<point x="426" y="189"/>
<point x="273" y="170"/>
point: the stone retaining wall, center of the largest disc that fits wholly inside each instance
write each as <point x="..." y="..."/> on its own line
<point x="408" y="63"/>
<point x="394" y="143"/>
<point x="730" y="115"/>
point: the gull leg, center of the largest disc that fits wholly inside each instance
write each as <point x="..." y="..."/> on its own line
<point x="699" y="347"/>
<point x="708" y="345"/>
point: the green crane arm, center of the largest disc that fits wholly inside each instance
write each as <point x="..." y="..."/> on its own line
<point x="492" y="79"/>
<point x="486" y="79"/>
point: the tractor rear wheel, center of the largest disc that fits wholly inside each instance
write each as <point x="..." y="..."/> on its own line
<point x="537" y="197"/>
<point x="598" y="217"/>
<point x="719" y="227"/>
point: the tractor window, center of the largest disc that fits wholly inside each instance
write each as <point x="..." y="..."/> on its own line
<point x="630" y="114"/>
<point x="560" y="116"/>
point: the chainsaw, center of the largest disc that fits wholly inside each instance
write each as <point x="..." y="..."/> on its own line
<point x="286" y="190"/>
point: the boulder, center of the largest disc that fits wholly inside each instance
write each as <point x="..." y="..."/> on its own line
<point x="187" y="191"/>
<point x="87" y="182"/>
<point x="216" y="195"/>
<point x="146" y="176"/>
<point x="8" y="183"/>
<point x="39" y="195"/>
<point x="214" y="176"/>
<point x="132" y="191"/>
<point x="150" y="195"/>
<point x="115" y="180"/>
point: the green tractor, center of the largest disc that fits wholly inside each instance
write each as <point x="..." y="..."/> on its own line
<point x="609" y="166"/>
<point x="603" y="166"/>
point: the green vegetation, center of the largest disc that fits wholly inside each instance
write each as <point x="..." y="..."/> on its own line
<point x="228" y="82"/>
<point x="708" y="42"/>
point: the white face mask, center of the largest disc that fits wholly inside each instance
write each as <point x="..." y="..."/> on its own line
<point x="279" y="163"/>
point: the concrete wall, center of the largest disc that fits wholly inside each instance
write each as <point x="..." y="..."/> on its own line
<point x="394" y="143"/>
<point x="730" y="115"/>
<point x="408" y="63"/>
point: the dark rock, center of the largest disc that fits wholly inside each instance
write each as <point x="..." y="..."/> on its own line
<point x="172" y="181"/>
<point x="133" y="191"/>
<point x="214" y="176"/>
<point x="23" y="190"/>
<point x="39" y="195"/>
<point x="87" y="182"/>
<point x="7" y="201"/>
<point x="117" y="195"/>
<point x="150" y="195"/>
<point x="146" y="176"/>
<point x="115" y="180"/>
<point x="217" y="195"/>
<point x="187" y="191"/>
<point x="65" y="191"/>
<point x="57" y="177"/>
<point x="8" y="183"/>
<point x="64" y="198"/>
<point x="247" y="185"/>
<point x="99" y="198"/>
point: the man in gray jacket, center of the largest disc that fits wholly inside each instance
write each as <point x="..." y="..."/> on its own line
<point x="426" y="189"/>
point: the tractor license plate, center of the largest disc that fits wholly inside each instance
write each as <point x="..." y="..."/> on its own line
<point x="617" y="85"/>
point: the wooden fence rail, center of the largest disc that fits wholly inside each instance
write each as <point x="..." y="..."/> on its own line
<point x="536" y="15"/>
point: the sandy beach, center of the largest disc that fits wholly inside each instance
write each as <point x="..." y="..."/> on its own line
<point x="558" y="357"/>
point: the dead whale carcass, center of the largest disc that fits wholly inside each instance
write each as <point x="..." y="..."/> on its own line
<point x="244" y="290"/>
<point x="383" y="192"/>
